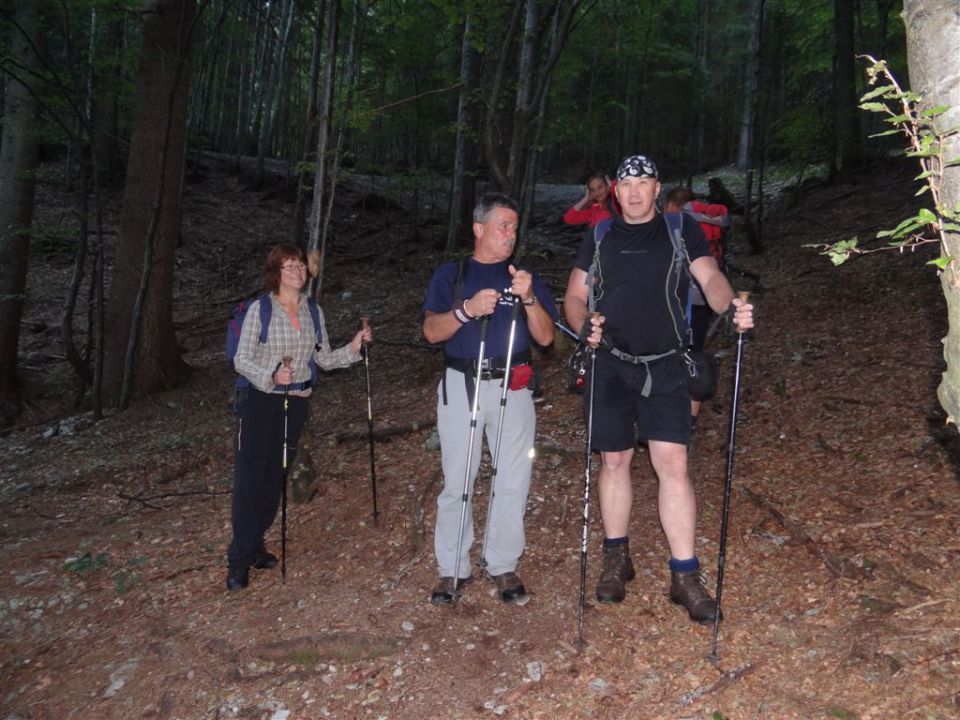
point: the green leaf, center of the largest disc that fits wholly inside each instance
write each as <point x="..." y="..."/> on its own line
<point x="941" y="262"/>
<point x="934" y="111"/>
<point x="885" y="132"/>
<point x="926" y="216"/>
<point x="922" y="190"/>
<point x="874" y="107"/>
<point x="877" y="92"/>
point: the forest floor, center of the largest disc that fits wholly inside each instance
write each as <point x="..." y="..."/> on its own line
<point x="842" y="577"/>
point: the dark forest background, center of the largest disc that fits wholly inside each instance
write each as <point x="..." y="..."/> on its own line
<point x="431" y="93"/>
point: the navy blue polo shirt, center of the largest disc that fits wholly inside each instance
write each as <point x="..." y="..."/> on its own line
<point x="465" y="343"/>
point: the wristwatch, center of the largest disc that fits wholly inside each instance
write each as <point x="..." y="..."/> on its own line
<point x="533" y="301"/>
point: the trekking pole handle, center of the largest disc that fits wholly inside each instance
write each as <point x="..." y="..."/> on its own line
<point x="742" y="295"/>
<point x="364" y="323"/>
<point x="594" y="316"/>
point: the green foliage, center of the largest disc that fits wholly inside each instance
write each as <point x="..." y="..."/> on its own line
<point x="927" y="143"/>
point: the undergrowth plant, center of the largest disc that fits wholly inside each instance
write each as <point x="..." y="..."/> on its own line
<point x="927" y="143"/>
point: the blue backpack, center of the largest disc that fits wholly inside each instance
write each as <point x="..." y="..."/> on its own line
<point x="235" y="326"/>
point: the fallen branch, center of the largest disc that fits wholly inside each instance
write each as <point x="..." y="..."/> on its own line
<point x="723" y="682"/>
<point x="145" y="499"/>
<point x="839" y="568"/>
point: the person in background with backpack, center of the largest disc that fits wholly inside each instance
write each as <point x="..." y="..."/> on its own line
<point x="461" y="297"/>
<point x="294" y="334"/>
<point x="712" y="219"/>
<point x="597" y="203"/>
<point x="632" y="279"/>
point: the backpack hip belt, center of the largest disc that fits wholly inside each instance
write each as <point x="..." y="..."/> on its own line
<point x="644" y="360"/>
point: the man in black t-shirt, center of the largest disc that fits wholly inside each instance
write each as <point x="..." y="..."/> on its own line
<point x="637" y="287"/>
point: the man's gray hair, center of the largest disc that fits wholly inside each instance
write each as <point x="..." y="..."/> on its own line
<point x="489" y="201"/>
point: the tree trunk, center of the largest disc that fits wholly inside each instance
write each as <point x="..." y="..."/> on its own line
<point x="933" y="36"/>
<point x="752" y="81"/>
<point x="275" y="74"/>
<point x="314" y="247"/>
<point x="310" y="131"/>
<point x="18" y="161"/>
<point x="698" y="78"/>
<point x="847" y="112"/>
<point x="469" y="59"/>
<point x="140" y="352"/>
<point x="105" y="140"/>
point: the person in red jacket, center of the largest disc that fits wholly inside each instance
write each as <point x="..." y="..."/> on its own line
<point x="712" y="220"/>
<point x="596" y="203"/>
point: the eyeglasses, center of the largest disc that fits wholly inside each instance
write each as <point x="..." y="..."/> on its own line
<point x="293" y="267"/>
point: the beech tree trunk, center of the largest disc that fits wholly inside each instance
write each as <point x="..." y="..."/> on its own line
<point x="314" y="247"/>
<point x="308" y="147"/>
<point x="469" y="59"/>
<point x="18" y="161"/>
<point x="846" y="102"/>
<point x="270" y="102"/>
<point x="752" y="82"/>
<point x="933" y="36"/>
<point x="140" y="354"/>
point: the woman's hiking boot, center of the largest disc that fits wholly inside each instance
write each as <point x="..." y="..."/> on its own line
<point x="617" y="571"/>
<point x="688" y="589"/>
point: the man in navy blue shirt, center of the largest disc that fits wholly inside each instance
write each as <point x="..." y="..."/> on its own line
<point x="461" y="296"/>
<point x="639" y="291"/>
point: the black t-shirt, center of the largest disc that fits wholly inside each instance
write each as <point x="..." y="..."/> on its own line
<point x="639" y="291"/>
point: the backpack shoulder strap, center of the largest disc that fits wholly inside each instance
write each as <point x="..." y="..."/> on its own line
<point x="600" y="231"/>
<point x="461" y="275"/>
<point x="315" y="316"/>
<point x="266" y="312"/>
<point x="675" y="231"/>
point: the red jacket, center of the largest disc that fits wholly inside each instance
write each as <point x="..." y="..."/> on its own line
<point x="595" y="213"/>
<point x="712" y="230"/>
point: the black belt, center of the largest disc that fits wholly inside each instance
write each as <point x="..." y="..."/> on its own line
<point x="491" y="369"/>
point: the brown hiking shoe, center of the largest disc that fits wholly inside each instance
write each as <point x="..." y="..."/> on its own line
<point x="443" y="591"/>
<point x="688" y="589"/>
<point x="617" y="571"/>
<point x="509" y="587"/>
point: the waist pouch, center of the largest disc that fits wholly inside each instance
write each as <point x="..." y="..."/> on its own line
<point x="491" y="369"/>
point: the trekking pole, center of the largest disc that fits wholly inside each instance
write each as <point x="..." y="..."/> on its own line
<point x="364" y="324"/>
<point x="503" y="406"/>
<point x="586" y="494"/>
<point x="474" y="411"/>
<point x="725" y="514"/>
<point x="283" y="495"/>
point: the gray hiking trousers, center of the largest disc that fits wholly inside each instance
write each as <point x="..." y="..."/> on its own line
<point x="506" y="537"/>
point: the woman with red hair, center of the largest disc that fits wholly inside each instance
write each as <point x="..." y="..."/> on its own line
<point x="276" y="369"/>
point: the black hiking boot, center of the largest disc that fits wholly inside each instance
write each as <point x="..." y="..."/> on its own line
<point x="510" y="588"/>
<point x="237" y="578"/>
<point x="617" y="571"/>
<point x="443" y="591"/>
<point x="265" y="560"/>
<point x="688" y="589"/>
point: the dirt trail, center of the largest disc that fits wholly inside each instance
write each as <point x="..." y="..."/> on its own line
<point x="843" y="561"/>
